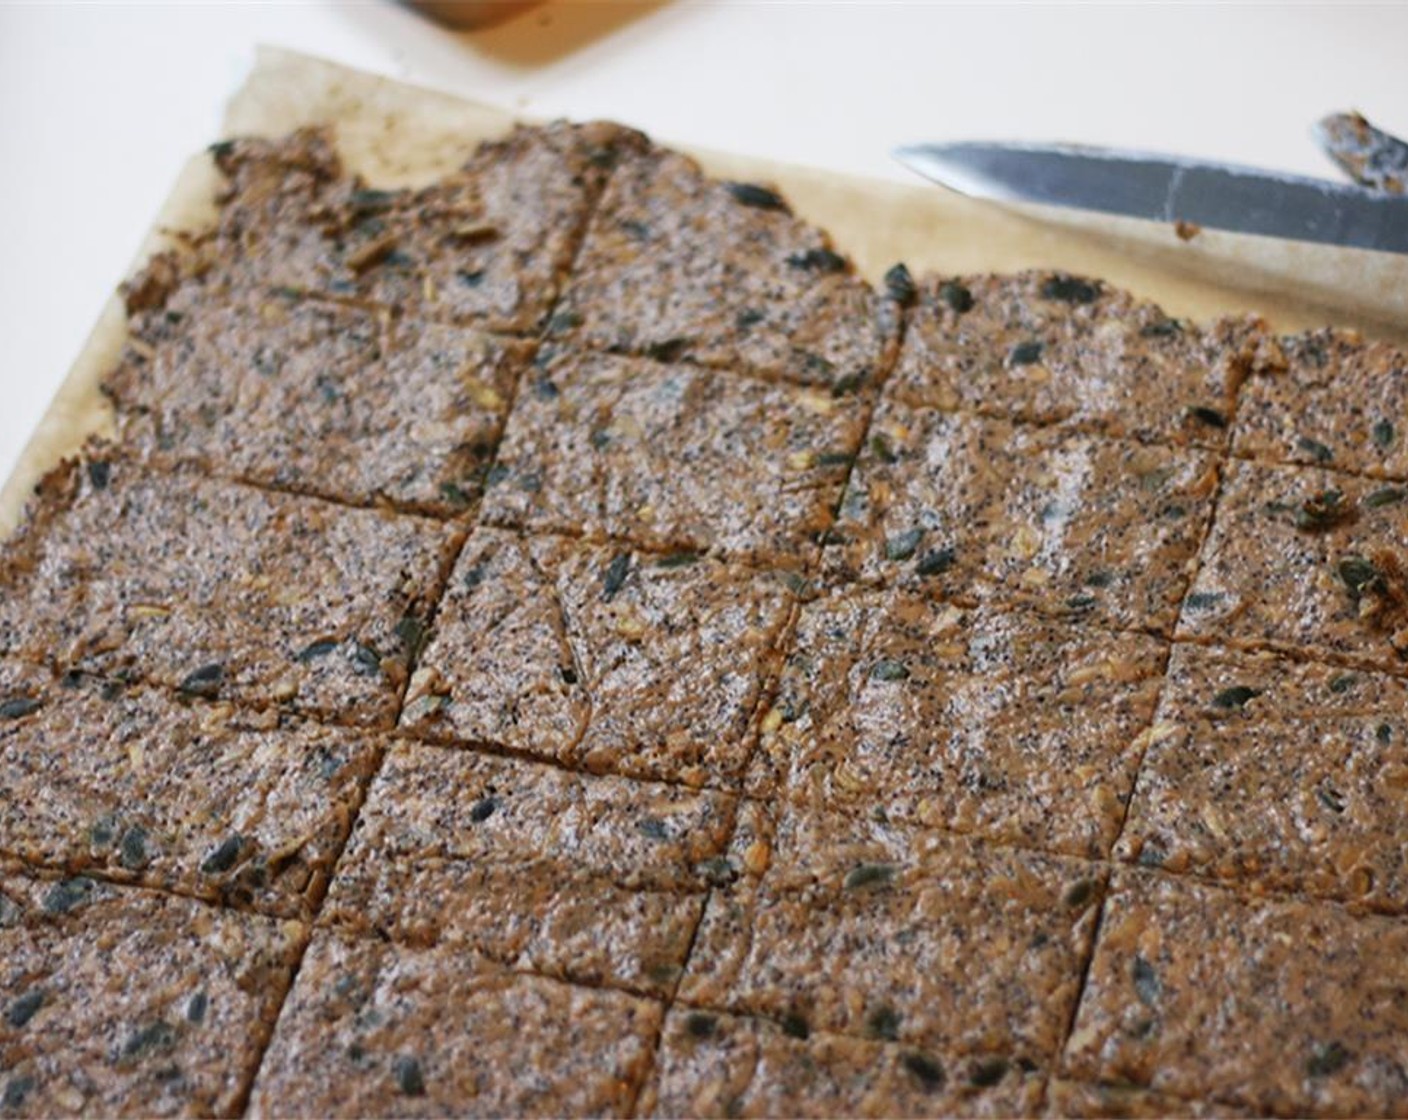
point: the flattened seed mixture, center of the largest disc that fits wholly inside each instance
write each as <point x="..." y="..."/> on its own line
<point x="887" y="931"/>
<point x="557" y="641"/>
<point x="1004" y="724"/>
<point x="1281" y="1005"/>
<point x="677" y="458"/>
<point x="129" y="1002"/>
<point x="376" y="1029"/>
<point x="318" y="398"/>
<point x="221" y="591"/>
<point x="650" y="665"/>
<point x="714" y="1064"/>
<point x="1053" y="348"/>
<point x="600" y="880"/>
<point x="185" y="795"/>
<point x="677" y="266"/>
<point x="1277" y="774"/>
<point x="970" y="509"/>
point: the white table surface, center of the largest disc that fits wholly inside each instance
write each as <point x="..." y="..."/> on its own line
<point x="101" y="104"/>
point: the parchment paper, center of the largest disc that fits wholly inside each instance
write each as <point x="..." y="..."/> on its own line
<point x="396" y="134"/>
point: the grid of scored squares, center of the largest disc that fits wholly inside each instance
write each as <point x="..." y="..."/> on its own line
<point x="176" y="425"/>
<point x="919" y="1069"/>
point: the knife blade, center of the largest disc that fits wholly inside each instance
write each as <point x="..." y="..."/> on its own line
<point x="1169" y="189"/>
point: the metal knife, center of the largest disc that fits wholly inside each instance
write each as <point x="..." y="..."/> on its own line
<point x="1169" y="189"/>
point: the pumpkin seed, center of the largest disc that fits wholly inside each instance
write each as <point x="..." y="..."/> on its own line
<point x="902" y="545"/>
<point x="65" y="896"/>
<point x="1323" y="510"/>
<point x="958" y="298"/>
<point x="1385" y="496"/>
<point x="483" y="809"/>
<point x="196" y="1007"/>
<point x="314" y="650"/>
<point x="1026" y="353"/>
<point x="1315" y="449"/>
<point x="16" y="1090"/>
<point x="760" y="198"/>
<point x="1330" y="797"/>
<point x="1358" y="575"/>
<point x="18" y="707"/>
<point x="900" y="285"/>
<point x="615" y="577"/>
<point x="1209" y="416"/>
<point x="866" y="875"/>
<point x="366" y="660"/>
<point x="1069" y="289"/>
<point x="668" y="350"/>
<point x="1326" y="1060"/>
<point x="409" y="1077"/>
<point x="929" y="1072"/>
<point x="935" y="561"/>
<point x="818" y="260"/>
<point x="133" y="848"/>
<point x="883" y="1023"/>
<point x="99" y="474"/>
<point x="1234" y="697"/>
<point x="889" y="671"/>
<point x="794" y="1026"/>
<point x="700" y="1025"/>
<point x="988" y="1072"/>
<point x="1146" y="982"/>
<point x="204" y="682"/>
<point x="224" y="857"/>
<point x="154" y="1038"/>
<point x="25" y="1008"/>
<point x="1382" y="433"/>
<point x="1079" y="893"/>
<point x="881" y="447"/>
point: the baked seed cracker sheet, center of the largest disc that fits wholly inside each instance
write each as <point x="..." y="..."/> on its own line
<point x="396" y="134"/>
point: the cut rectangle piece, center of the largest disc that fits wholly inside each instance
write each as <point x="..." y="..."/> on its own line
<point x="970" y="508"/>
<point x="1334" y="400"/>
<point x="869" y="929"/>
<point x="127" y="784"/>
<point x="1057" y="349"/>
<point x="1278" y="774"/>
<point x="674" y="457"/>
<point x="213" y="589"/>
<point x="487" y="245"/>
<point x="377" y="1029"/>
<point x="1009" y="725"/>
<point x="600" y="657"/>
<point x="1305" y="561"/>
<point x="717" y="1065"/>
<point x="680" y="266"/>
<point x="125" y="1002"/>
<point x="596" y="880"/>
<point x="1283" y="1006"/>
<point x="316" y="398"/>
